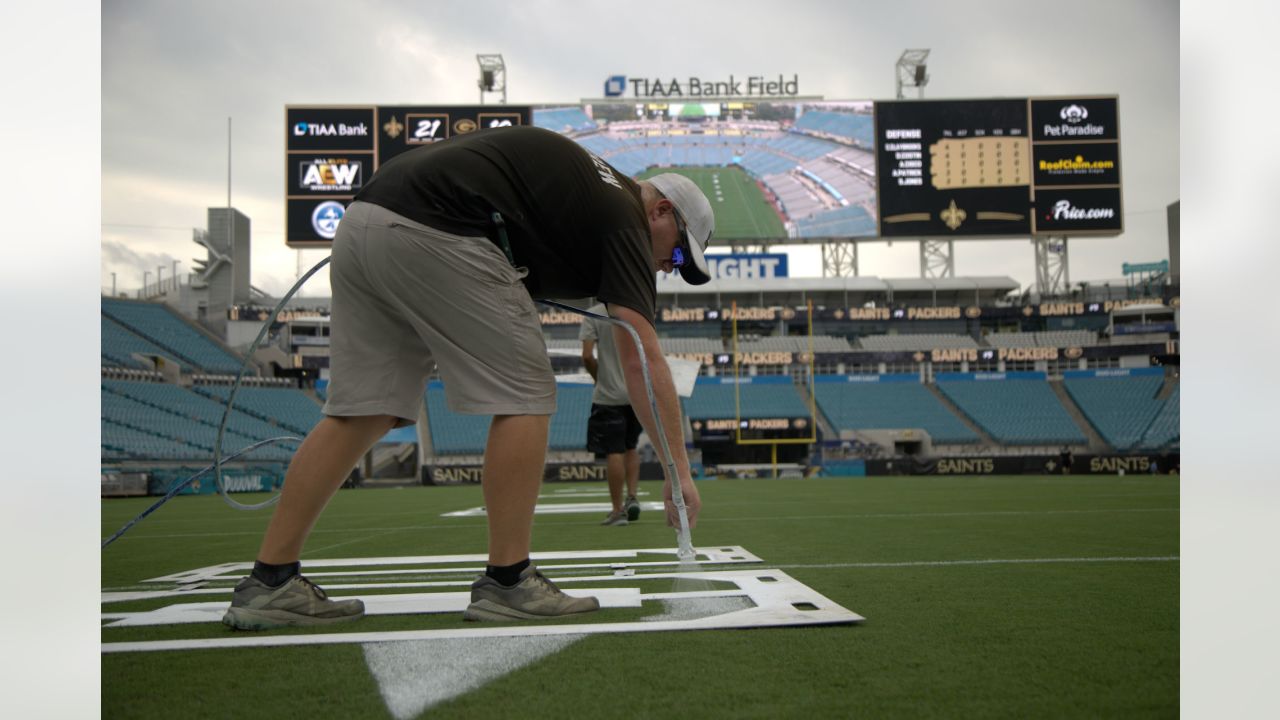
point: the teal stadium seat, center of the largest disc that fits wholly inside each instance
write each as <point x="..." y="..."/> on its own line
<point x="772" y="396"/>
<point x="290" y="409"/>
<point x="119" y="345"/>
<point x="456" y="434"/>
<point x="157" y="433"/>
<point x="162" y="327"/>
<point x="1121" y="409"/>
<point x="889" y="405"/>
<point x="1015" y="411"/>
<point x="453" y="433"/>
<point x="1165" y="432"/>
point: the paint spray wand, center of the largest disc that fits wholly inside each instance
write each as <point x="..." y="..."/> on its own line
<point x="684" y="540"/>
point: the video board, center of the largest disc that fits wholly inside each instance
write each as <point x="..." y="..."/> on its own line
<point x="990" y="168"/>
<point x="330" y="152"/>
<point x="788" y="170"/>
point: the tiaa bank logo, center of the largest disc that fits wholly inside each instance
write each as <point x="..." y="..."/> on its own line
<point x="325" y="218"/>
<point x="300" y="129"/>
<point x="615" y="85"/>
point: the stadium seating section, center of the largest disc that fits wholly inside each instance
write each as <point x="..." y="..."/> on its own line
<point x="889" y="406"/>
<point x="457" y="434"/>
<point x="158" y="421"/>
<point x="563" y="120"/>
<point x="917" y="341"/>
<point x="1164" y="432"/>
<point x="1055" y="338"/>
<point x="759" y="398"/>
<point x="820" y="172"/>
<point x="1015" y="412"/>
<point x="1122" y="409"/>
<point x="159" y="328"/>
<point x="857" y="128"/>
<point x="119" y="344"/>
<point x="291" y="409"/>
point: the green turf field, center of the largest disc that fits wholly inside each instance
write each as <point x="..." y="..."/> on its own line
<point x="741" y="211"/>
<point x="983" y="597"/>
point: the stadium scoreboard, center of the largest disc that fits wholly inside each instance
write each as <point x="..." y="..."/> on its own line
<point x="331" y="151"/>
<point x="989" y="168"/>
<point x="984" y="168"/>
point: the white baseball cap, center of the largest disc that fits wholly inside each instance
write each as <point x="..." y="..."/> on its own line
<point x="699" y="222"/>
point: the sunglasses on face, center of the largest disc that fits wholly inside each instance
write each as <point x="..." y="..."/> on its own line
<point x="678" y="254"/>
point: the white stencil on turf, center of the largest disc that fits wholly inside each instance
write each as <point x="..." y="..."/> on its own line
<point x="775" y="598"/>
<point x="418" y="674"/>
<point x="561" y="509"/>
<point x="415" y="675"/>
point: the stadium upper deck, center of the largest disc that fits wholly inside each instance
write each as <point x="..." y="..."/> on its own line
<point x="815" y="169"/>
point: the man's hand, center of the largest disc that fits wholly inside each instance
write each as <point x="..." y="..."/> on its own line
<point x="692" y="504"/>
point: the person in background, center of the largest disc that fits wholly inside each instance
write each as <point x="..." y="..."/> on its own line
<point x="613" y="428"/>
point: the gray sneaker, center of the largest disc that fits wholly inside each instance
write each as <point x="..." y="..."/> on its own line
<point x="616" y="518"/>
<point x="632" y="506"/>
<point x="257" y="606"/>
<point x="533" y="598"/>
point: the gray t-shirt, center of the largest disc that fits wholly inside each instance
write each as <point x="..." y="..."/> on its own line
<point x="611" y="383"/>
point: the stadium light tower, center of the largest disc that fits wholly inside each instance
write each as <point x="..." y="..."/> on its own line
<point x="493" y="76"/>
<point x="911" y="72"/>
<point x="937" y="257"/>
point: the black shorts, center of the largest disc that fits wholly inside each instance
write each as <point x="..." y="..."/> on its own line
<point x="612" y="429"/>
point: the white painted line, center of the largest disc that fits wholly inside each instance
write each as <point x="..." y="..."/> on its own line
<point x="559" y="509"/>
<point x="474" y="562"/>
<point x="583" y="493"/>
<point x="413" y="676"/>
<point x="739" y="520"/>
<point x="778" y="601"/>
<point x="1006" y="561"/>
<point x="400" y="604"/>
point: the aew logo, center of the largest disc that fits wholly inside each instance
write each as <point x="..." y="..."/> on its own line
<point x="330" y="175"/>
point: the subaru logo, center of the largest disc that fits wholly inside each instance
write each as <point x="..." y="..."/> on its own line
<point x="325" y="218"/>
<point x="615" y="85"/>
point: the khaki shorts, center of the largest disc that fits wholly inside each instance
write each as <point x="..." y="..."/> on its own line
<point x="407" y="297"/>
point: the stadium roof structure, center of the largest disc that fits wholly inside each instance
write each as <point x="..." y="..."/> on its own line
<point x="795" y="291"/>
<point x="839" y="291"/>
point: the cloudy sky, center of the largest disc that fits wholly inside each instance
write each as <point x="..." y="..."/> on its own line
<point x="173" y="72"/>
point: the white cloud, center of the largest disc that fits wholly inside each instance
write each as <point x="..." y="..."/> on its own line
<point x="174" y="72"/>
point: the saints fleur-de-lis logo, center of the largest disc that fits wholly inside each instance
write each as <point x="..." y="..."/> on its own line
<point x="393" y="127"/>
<point x="953" y="216"/>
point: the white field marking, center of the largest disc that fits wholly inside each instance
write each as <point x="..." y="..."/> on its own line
<point x="134" y="594"/>
<point x="558" y="509"/>
<point x="777" y="599"/>
<point x="348" y="542"/>
<point x="416" y="675"/>
<point x="398" y="604"/>
<point x="699" y="605"/>
<point x="578" y="493"/>
<point x="979" y="513"/>
<point x="1003" y="561"/>
<point x="472" y="562"/>
<point x="769" y="518"/>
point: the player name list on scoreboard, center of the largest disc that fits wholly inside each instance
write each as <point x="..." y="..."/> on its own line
<point x="980" y="167"/>
<point x="953" y="167"/>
